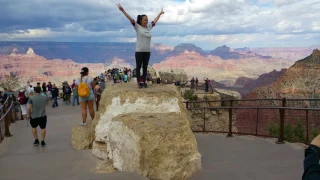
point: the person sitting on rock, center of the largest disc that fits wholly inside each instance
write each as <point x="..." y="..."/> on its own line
<point x="142" y="53"/>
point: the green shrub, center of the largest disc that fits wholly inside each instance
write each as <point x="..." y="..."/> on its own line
<point x="274" y="129"/>
<point x="190" y="96"/>
<point x="290" y="132"/>
<point x="299" y="132"/>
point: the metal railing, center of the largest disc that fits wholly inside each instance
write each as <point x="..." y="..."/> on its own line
<point x="6" y="118"/>
<point x="295" y="120"/>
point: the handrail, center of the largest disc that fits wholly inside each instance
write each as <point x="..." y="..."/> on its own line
<point x="304" y="132"/>
<point x="6" y="112"/>
<point x="4" y="103"/>
<point x="244" y="100"/>
<point x="252" y="107"/>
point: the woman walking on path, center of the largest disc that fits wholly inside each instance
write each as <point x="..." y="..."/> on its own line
<point x="143" y="31"/>
<point x="86" y="102"/>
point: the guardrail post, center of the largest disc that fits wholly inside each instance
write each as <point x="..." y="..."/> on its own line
<point x="282" y="115"/>
<point x="307" y="125"/>
<point x="204" y="120"/>
<point x="230" y="119"/>
<point x="187" y="104"/>
<point x="11" y="119"/>
<point x="257" y="122"/>
<point x="6" y="122"/>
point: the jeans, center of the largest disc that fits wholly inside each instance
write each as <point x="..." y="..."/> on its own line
<point x="142" y="59"/>
<point x="55" y="101"/>
<point x="75" y="98"/>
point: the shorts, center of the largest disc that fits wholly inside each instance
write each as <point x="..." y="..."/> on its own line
<point x="23" y="109"/>
<point x="49" y="94"/>
<point x="40" y="121"/>
<point x="86" y="99"/>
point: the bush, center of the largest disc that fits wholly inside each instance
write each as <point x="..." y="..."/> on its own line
<point x="190" y="96"/>
<point x="274" y="129"/>
<point x="299" y="132"/>
<point x="290" y="132"/>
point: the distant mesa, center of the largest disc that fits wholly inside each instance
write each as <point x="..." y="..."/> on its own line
<point x="300" y="81"/>
<point x="30" y="52"/>
<point x="316" y="52"/>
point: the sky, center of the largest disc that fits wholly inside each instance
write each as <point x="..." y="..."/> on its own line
<point x="206" y="23"/>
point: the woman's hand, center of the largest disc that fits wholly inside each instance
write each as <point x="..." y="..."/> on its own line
<point x="120" y="7"/>
<point x="161" y="12"/>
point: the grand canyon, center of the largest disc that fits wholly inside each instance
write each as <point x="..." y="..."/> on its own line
<point x="240" y="69"/>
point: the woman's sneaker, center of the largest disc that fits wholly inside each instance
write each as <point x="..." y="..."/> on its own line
<point x="145" y="85"/>
<point x="43" y="144"/>
<point x="83" y="124"/>
<point x="36" y="142"/>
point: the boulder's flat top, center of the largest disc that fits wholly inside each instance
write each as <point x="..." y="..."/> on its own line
<point x="132" y="87"/>
<point x="222" y="158"/>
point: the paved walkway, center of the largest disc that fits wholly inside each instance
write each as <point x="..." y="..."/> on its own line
<point x="246" y="158"/>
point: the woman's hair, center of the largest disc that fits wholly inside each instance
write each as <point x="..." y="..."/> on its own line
<point x="139" y="18"/>
<point x="84" y="71"/>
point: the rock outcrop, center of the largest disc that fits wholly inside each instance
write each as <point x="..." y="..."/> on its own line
<point x="215" y="119"/>
<point x="146" y="131"/>
<point x="299" y="81"/>
<point x="213" y="67"/>
<point x="33" y="68"/>
<point x="173" y="75"/>
<point x="82" y="137"/>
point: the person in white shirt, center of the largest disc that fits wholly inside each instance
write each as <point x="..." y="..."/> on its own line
<point x="142" y="54"/>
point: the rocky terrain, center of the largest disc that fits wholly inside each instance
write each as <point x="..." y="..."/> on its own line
<point x="292" y="54"/>
<point x="222" y="65"/>
<point x="34" y="68"/>
<point x="226" y="71"/>
<point x="300" y="81"/>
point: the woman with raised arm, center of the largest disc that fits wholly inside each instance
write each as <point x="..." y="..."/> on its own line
<point x="142" y="53"/>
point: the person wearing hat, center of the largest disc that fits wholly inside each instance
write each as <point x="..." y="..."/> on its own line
<point x="86" y="102"/>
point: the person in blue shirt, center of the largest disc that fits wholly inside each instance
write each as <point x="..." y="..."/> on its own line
<point x="125" y="78"/>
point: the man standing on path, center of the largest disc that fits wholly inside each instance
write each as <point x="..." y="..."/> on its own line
<point x="37" y="114"/>
<point x="55" y="94"/>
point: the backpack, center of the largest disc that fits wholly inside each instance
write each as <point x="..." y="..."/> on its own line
<point x="83" y="89"/>
<point x="22" y="98"/>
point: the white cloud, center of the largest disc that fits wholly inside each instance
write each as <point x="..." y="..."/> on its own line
<point x="208" y="22"/>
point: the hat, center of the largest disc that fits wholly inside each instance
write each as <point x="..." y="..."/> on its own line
<point x="84" y="70"/>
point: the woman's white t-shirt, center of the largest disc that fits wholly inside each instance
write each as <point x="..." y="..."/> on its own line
<point x="143" y="37"/>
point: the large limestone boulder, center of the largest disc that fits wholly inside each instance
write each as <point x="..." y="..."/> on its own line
<point x="175" y="75"/>
<point x="146" y="131"/>
<point x="211" y="97"/>
<point x="82" y="137"/>
<point x="157" y="145"/>
<point x="228" y="95"/>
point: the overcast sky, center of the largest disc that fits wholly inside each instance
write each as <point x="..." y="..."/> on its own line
<point x="206" y="23"/>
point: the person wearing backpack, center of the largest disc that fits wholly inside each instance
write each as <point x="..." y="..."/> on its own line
<point x="86" y="96"/>
<point x="23" y="100"/>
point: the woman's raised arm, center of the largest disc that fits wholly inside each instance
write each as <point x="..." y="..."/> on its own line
<point x="124" y="12"/>
<point x="157" y="18"/>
